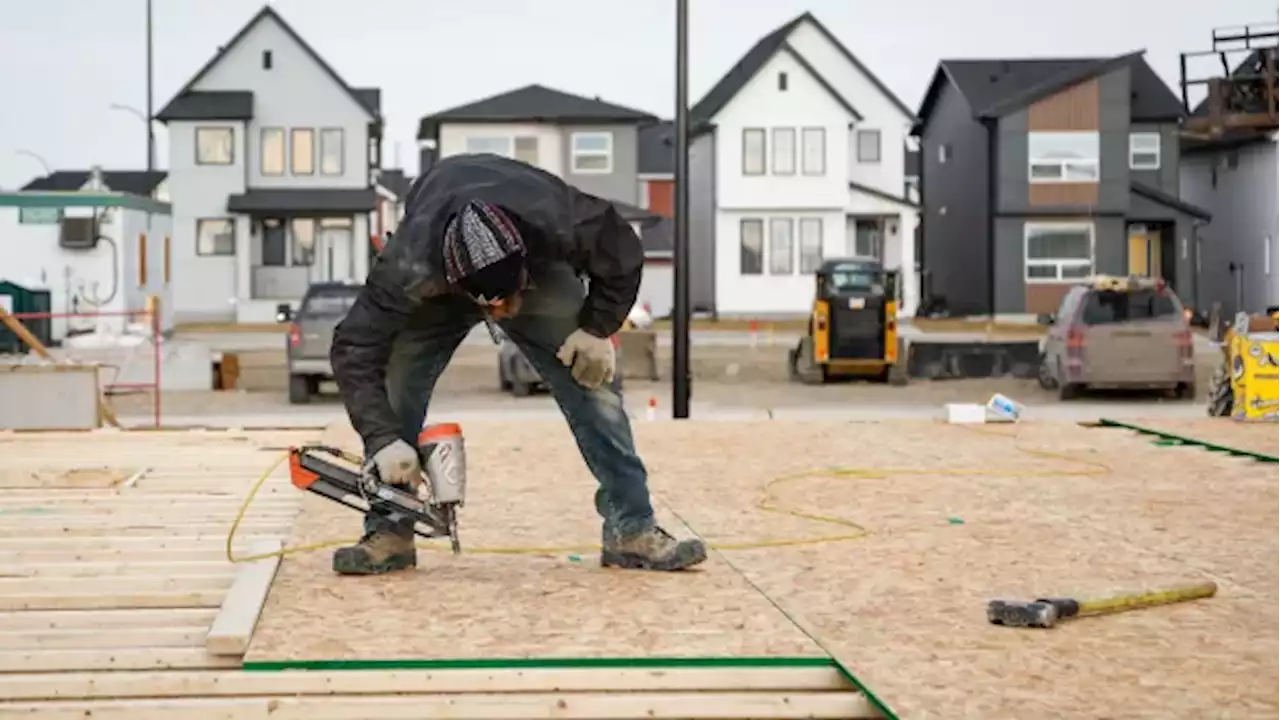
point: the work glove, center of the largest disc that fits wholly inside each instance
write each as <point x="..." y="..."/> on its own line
<point x="589" y="358"/>
<point x="398" y="464"/>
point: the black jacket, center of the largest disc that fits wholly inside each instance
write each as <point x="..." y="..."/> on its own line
<point x="558" y="223"/>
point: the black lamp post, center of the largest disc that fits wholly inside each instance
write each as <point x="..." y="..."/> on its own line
<point x="680" y="306"/>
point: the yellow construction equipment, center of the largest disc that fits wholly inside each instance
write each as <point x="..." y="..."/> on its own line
<point x="853" y="326"/>
<point x="1246" y="386"/>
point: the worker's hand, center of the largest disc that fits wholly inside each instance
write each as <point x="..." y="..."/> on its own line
<point x="590" y="358"/>
<point x="398" y="464"/>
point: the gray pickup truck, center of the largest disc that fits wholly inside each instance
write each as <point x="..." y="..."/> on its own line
<point x="311" y="335"/>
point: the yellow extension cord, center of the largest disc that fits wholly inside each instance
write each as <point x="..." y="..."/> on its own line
<point x="851" y="530"/>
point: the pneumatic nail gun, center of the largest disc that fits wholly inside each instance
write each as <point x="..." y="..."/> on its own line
<point x="347" y="479"/>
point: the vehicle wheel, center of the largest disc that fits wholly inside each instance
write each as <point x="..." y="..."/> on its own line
<point x="299" y="390"/>
<point x="503" y="382"/>
<point x="803" y="368"/>
<point x="1185" y="391"/>
<point x="1045" y="375"/>
<point x="313" y="384"/>
<point x="1221" y="396"/>
<point x="1070" y="391"/>
<point x="520" y="389"/>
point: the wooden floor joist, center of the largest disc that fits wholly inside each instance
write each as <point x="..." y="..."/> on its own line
<point x="242" y="605"/>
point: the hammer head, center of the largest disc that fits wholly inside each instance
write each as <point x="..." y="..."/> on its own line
<point x="1017" y="613"/>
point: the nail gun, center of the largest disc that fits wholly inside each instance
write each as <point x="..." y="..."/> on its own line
<point x="347" y="479"/>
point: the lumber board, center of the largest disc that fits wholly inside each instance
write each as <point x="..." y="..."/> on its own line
<point x="113" y="585"/>
<point x="151" y="527"/>
<point x="191" y="636"/>
<point x="242" y="605"/>
<point x="215" y="683"/>
<point x="73" y="477"/>
<point x="143" y="658"/>
<point x="104" y="619"/>
<point x="521" y="706"/>
<point x="129" y="542"/>
<point x="210" y="552"/>
<point x="90" y="600"/>
<point x="19" y="567"/>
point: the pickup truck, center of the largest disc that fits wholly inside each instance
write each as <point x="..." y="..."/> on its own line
<point x="311" y="335"/>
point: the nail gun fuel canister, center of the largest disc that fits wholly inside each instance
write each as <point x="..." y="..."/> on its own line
<point x="444" y="459"/>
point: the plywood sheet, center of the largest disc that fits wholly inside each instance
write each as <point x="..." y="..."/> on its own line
<point x="945" y="518"/>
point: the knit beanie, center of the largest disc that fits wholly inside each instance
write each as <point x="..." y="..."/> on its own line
<point x="483" y="252"/>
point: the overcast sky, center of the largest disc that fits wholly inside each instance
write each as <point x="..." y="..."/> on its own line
<point x="64" y="62"/>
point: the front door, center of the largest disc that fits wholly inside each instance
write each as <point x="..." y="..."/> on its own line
<point x="1144" y="251"/>
<point x="334" y="248"/>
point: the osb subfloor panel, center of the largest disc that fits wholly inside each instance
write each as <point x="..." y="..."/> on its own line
<point x="955" y="516"/>
<point x="1255" y="436"/>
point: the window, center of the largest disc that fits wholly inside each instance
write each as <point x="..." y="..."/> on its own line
<point x="527" y="150"/>
<point x="1144" y="151"/>
<point x="168" y="260"/>
<point x="813" y="151"/>
<point x="302" y="150"/>
<point x="781" y="246"/>
<point x="866" y="238"/>
<point x="810" y="245"/>
<point x="1105" y="307"/>
<point x="142" y="260"/>
<point x="592" y="152"/>
<point x="494" y="145"/>
<point x="869" y="146"/>
<point x="784" y="151"/>
<point x="752" y="243"/>
<point x="753" y="151"/>
<point x="215" y="146"/>
<point x="303" y="231"/>
<point x="266" y="59"/>
<point x="215" y="236"/>
<point x="944" y="153"/>
<point x="1062" y="157"/>
<point x="782" y="81"/>
<point x="1058" y="251"/>
<point x="272" y="151"/>
<point x="331" y="150"/>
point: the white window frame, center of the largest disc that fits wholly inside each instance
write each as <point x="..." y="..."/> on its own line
<point x="1088" y="164"/>
<point x="208" y="245"/>
<point x="506" y="141"/>
<point x="866" y="158"/>
<point x="813" y="149"/>
<point x="1152" y="142"/>
<point x="808" y="250"/>
<point x="761" y="165"/>
<point x="228" y="132"/>
<point x="762" y="226"/>
<point x="784" y="151"/>
<point x="575" y="153"/>
<point x="1058" y="264"/>
<point x="771" y="255"/>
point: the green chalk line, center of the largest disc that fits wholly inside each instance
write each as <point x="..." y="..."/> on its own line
<point x="1174" y="439"/>
<point x="550" y="663"/>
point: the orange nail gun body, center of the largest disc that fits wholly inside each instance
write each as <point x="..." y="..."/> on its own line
<point x="347" y="479"/>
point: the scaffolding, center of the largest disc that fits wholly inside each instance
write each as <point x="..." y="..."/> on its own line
<point x="1243" y="95"/>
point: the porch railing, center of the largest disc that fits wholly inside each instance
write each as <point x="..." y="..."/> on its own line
<point x="279" y="283"/>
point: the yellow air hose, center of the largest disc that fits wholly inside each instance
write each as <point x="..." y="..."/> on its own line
<point x="849" y="530"/>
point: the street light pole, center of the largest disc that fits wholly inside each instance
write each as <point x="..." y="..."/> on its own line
<point x="151" y="133"/>
<point x="680" y="306"/>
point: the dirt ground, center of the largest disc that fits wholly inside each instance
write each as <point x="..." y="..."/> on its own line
<point x="727" y="376"/>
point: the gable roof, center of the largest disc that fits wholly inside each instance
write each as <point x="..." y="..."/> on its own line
<point x="134" y="182"/>
<point x="395" y="180"/>
<point x="995" y="87"/>
<point x="533" y="103"/>
<point x="765" y="48"/>
<point x="367" y="98"/>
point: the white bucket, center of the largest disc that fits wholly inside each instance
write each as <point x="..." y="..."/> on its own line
<point x="964" y="413"/>
<point x="1004" y="408"/>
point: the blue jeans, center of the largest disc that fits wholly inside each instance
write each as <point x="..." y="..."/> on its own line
<point x="597" y="418"/>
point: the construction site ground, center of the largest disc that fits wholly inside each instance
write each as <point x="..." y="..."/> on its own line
<point x="850" y="569"/>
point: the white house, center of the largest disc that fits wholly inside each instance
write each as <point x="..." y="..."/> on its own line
<point x="798" y="155"/>
<point x="92" y="249"/>
<point x="271" y="175"/>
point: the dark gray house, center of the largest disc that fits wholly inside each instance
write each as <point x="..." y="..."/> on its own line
<point x="1233" y="174"/>
<point x="1037" y="173"/>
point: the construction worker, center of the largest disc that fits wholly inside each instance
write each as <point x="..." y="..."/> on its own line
<point x="486" y="238"/>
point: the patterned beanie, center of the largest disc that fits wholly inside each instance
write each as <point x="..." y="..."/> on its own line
<point x="483" y="251"/>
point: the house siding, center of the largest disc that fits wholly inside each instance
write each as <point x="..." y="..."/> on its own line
<point x="1166" y="177"/>
<point x="1244" y="226"/>
<point x="659" y="197"/>
<point x="702" y="223"/>
<point x="295" y="93"/>
<point x="1015" y="296"/>
<point x="954" y="195"/>
<point x="206" y="286"/>
<point x="618" y="184"/>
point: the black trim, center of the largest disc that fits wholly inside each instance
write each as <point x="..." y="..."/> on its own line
<point x="890" y="197"/>
<point x="362" y="97"/>
<point x="133" y="182"/>
<point x="293" y="201"/>
<point x="209" y="105"/>
<point x="993" y="204"/>
<point x="1161" y="197"/>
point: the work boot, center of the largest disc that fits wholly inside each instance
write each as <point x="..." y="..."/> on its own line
<point x="377" y="552"/>
<point x="653" y="549"/>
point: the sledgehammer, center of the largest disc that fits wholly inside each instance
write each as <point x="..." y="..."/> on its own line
<point x="1046" y="612"/>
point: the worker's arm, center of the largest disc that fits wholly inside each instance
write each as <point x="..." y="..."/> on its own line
<point x="362" y="346"/>
<point x="609" y="252"/>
